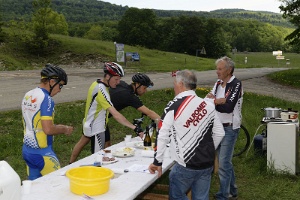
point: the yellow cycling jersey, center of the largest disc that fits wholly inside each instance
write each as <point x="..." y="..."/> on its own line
<point x="96" y="114"/>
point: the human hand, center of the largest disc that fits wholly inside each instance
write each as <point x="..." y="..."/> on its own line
<point x="139" y="131"/>
<point x="220" y="101"/>
<point x="152" y="168"/>
<point x="210" y="95"/>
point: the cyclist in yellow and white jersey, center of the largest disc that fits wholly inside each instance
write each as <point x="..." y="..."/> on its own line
<point x="39" y="128"/>
<point x="98" y="106"/>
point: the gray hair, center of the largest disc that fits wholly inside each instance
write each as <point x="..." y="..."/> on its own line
<point x="188" y="78"/>
<point x="229" y="64"/>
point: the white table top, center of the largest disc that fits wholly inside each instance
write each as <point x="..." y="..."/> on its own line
<point x="55" y="186"/>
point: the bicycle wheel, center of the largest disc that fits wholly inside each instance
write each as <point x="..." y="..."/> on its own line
<point x="242" y="142"/>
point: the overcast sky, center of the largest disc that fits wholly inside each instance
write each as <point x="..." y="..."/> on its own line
<point x="201" y="5"/>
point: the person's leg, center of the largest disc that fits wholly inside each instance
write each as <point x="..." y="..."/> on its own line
<point x="78" y="147"/>
<point x="32" y="165"/>
<point x="233" y="186"/>
<point x="225" y="171"/>
<point x="99" y="142"/>
<point x="51" y="162"/>
<point x="40" y="161"/>
<point x="107" y="138"/>
<point x="180" y="182"/>
<point x="201" y="185"/>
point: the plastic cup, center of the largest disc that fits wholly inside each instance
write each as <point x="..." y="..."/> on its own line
<point x="98" y="160"/>
<point x="128" y="136"/>
<point x="127" y="139"/>
<point x="26" y="186"/>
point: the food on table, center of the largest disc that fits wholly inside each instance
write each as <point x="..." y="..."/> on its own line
<point x="106" y="159"/>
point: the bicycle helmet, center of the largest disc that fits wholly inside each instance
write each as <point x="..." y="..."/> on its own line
<point x="114" y="69"/>
<point x="54" y="72"/>
<point x="143" y="79"/>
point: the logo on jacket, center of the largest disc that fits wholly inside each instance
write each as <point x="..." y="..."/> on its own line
<point x="197" y="115"/>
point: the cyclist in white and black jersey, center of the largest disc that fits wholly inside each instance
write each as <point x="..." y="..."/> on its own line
<point x="38" y="120"/>
<point x="227" y="95"/>
<point x="195" y="131"/>
<point x="98" y="106"/>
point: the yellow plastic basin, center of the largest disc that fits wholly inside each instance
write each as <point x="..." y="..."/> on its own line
<point x="89" y="180"/>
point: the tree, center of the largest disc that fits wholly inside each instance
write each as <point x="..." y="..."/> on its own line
<point x="215" y="43"/>
<point x="45" y="21"/>
<point x="138" y="27"/>
<point x="40" y="19"/>
<point x="183" y="34"/>
<point x="2" y="35"/>
<point x="291" y="12"/>
<point x="95" y="33"/>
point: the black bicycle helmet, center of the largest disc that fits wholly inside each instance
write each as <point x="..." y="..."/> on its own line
<point x="114" y="69"/>
<point x="54" y="72"/>
<point x="143" y="79"/>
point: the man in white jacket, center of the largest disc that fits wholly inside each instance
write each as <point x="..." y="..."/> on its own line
<point x="195" y="131"/>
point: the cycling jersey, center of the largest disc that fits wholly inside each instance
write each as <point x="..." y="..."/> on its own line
<point x="37" y="150"/>
<point x="232" y="110"/>
<point x="123" y="96"/>
<point x="37" y="105"/>
<point x="194" y="128"/>
<point x="96" y="113"/>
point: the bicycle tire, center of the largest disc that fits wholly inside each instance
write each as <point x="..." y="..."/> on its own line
<point x="242" y="143"/>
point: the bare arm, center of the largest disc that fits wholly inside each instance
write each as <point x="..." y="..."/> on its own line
<point x="120" y="118"/>
<point x="51" y="129"/>
<point x="216" y="101"/>
<point x="150" y="113"/>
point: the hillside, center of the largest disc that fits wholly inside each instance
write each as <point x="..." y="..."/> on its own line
<point x="93" y="11"/>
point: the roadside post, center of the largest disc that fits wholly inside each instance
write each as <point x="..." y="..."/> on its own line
<point x="200" y="51"/>
<point x="234" y="51"/>
<point x="287" y="62"/>
<point x="120" y="56"/>
<point x="278" y="55"/>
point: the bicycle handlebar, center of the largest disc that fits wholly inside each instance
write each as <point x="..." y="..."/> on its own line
<point x="139" y="121"/>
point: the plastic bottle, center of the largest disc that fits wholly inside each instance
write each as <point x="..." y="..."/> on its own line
<point x="10" y="182"/>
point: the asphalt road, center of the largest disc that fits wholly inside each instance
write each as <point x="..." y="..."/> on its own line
<point x="14" y="84"/>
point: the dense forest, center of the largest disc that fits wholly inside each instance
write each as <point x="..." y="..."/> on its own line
<point x="95" y="11"/>
<point x="219" y="31"/>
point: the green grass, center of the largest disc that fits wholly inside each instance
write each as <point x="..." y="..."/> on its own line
<point x="80" y="50"/>
<point x="265" y="59"/>
<point x="289" y="77"/>
<point x="253" y="178"/>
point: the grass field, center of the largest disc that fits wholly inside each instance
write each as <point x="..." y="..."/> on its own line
<point x="253" y="178"/>
<point x="80" y="50"/>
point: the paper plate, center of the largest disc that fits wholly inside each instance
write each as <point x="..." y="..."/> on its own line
<point x="124" y="152"/>
<point x="109" y="162"/>
<point x="139" y="145"/>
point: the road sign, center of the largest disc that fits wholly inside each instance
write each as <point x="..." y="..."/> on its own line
<point x="120" y="56"/>
<point x="277" y="53"/>
<point x="279" y="57"/>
